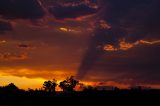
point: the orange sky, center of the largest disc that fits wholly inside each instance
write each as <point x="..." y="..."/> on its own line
<point x="37" y="83"/>
<point x="108" y="43"/>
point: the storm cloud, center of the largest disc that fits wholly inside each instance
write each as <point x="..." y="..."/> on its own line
<point x="26" y="9"/>
<point x="71" y="11"/>
<point x="130" y="21"/>
<point x="5" y="26"/>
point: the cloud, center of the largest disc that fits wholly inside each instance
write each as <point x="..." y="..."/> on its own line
<point x="123" y="45"/>
<point x="134" y="66"/>
<point x="25" y="9"/>
<point x="36" y="73"/>
<point x="71" y="11"/>
<point x="69" y="30"/>
<point x="23" y="46"/>
<point x="131" y="21"/>
<point x="27" y="46"/>
<point x="139" y="19"/>
<point x="5" y="26"/>
<point x="12" y="57"/>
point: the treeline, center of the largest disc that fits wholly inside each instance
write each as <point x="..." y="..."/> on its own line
<point x="66" y="85"/>
<point x="11" y="94"/>
<point x="49" y="86"/>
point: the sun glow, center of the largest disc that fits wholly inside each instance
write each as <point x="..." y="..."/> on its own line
<point x="65" y="29"/>
<point x="22" y="82"/>
<point x="27" y="78"/>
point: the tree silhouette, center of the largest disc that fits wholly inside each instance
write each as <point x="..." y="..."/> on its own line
<point x="50" y="86"/>
<point x="69" y="84"/>
<point x="11" y="87"/>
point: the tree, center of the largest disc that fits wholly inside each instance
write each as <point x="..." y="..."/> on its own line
<point x="11" y="87"/>
<point x="50" y="86"/>
<point x="69" y="84"/>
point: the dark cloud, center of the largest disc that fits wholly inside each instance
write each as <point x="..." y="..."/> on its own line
<point x="23" y="46"/>
<point x="92" y="54"/>
<point x="140" y="19"/>
<point x="27" y="9"/>
<point x="62" y="12"/>
<point x="137" y="65"/>
<point x="95" y="48"/>
<point x="27" y="46"/>
<point x="5" y="26"/>
<point x="130" y="21"/>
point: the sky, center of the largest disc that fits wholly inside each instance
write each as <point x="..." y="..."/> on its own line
<point x="103" y="42"/>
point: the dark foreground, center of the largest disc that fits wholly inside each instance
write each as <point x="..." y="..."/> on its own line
<point x="127" y="97"/>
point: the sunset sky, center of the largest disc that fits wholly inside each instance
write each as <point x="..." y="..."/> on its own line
<point x="103" y="42"/>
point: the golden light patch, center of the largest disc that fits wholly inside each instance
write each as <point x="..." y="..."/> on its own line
<point x="123" y="45"/>
<point x="3" y="41"/>
<point x="22" y="82"/>
<point x="65" y="29"/>
<point x="109" y="48"/>
<point x="30" y="73"/>
<point x="27" y="78"/>
<point x="149" y="42"/>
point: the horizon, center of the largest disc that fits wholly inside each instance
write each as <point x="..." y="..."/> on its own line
<point x="37" y="83"/>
